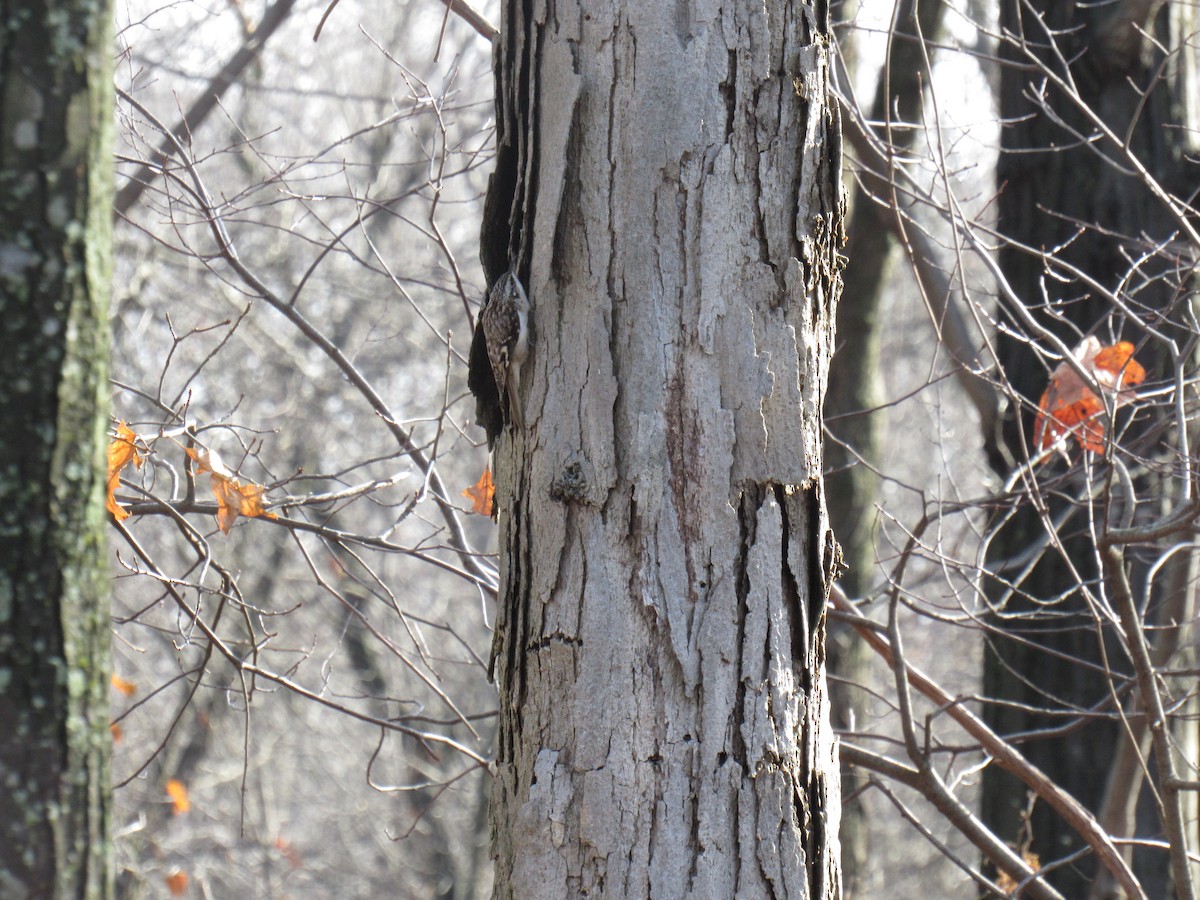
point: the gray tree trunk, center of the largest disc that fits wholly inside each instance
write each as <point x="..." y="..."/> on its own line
<point x="55" y="268"/>
<point x="668" y="189"/>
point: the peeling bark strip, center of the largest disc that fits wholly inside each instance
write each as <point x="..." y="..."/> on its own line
<point x="668" y="186"/>
<point x="55" y="269"/>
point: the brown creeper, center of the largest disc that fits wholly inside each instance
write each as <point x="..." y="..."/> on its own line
<point x="504" y="321"/>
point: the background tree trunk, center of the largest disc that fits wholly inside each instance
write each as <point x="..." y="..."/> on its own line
<point x="1050" y="186"/>
<point x="55" y="260"/>
<point x="854" y="375"/>
<point x="668" y="189"/>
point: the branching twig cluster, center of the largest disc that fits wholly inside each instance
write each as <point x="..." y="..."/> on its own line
<point x="1122" y="523"/>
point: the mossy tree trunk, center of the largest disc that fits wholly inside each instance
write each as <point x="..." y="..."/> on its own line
<point x="55" y="268"/>
<point x="668" y="189"/>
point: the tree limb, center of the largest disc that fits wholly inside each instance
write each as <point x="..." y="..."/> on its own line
<point x="251" y="47"/>
<point x="1004" y="754"/>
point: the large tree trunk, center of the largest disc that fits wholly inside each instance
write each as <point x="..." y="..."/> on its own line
<point x="668" y="189"/>
<point x="54" y="622"/>
<point x="1050" y="185"/>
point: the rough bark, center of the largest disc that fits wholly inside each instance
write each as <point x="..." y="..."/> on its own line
<point x="55" y="243"/>
<point x="1050" y="185"/>
<point x="668" y="185"/>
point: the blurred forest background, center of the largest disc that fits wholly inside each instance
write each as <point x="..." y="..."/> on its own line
<point x="347" y="174"/>
<point x="302" y="705"/>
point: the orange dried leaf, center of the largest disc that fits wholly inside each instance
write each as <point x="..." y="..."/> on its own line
<point x="128" y="688"/>
<point x="200" y="458"/>
<point x="233" y="498"/>
<point x="482" y="493"/>
<point x="289" y="852"/>
<point x="236" y="499"/>
<point x="121" y="452"/>
<point x="180" y="802"/>
<point x="1118" y="362"/>
<point x="177" y="883"/>
<point x="1006" y="882"/>
<point x="1069" y="406"/>
<point x="115" y="730"/>
<point x="209" y="461"/>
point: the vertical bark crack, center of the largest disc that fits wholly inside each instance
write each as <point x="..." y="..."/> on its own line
<point x="728" y="91"/>
<point x="747" y="532"/>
